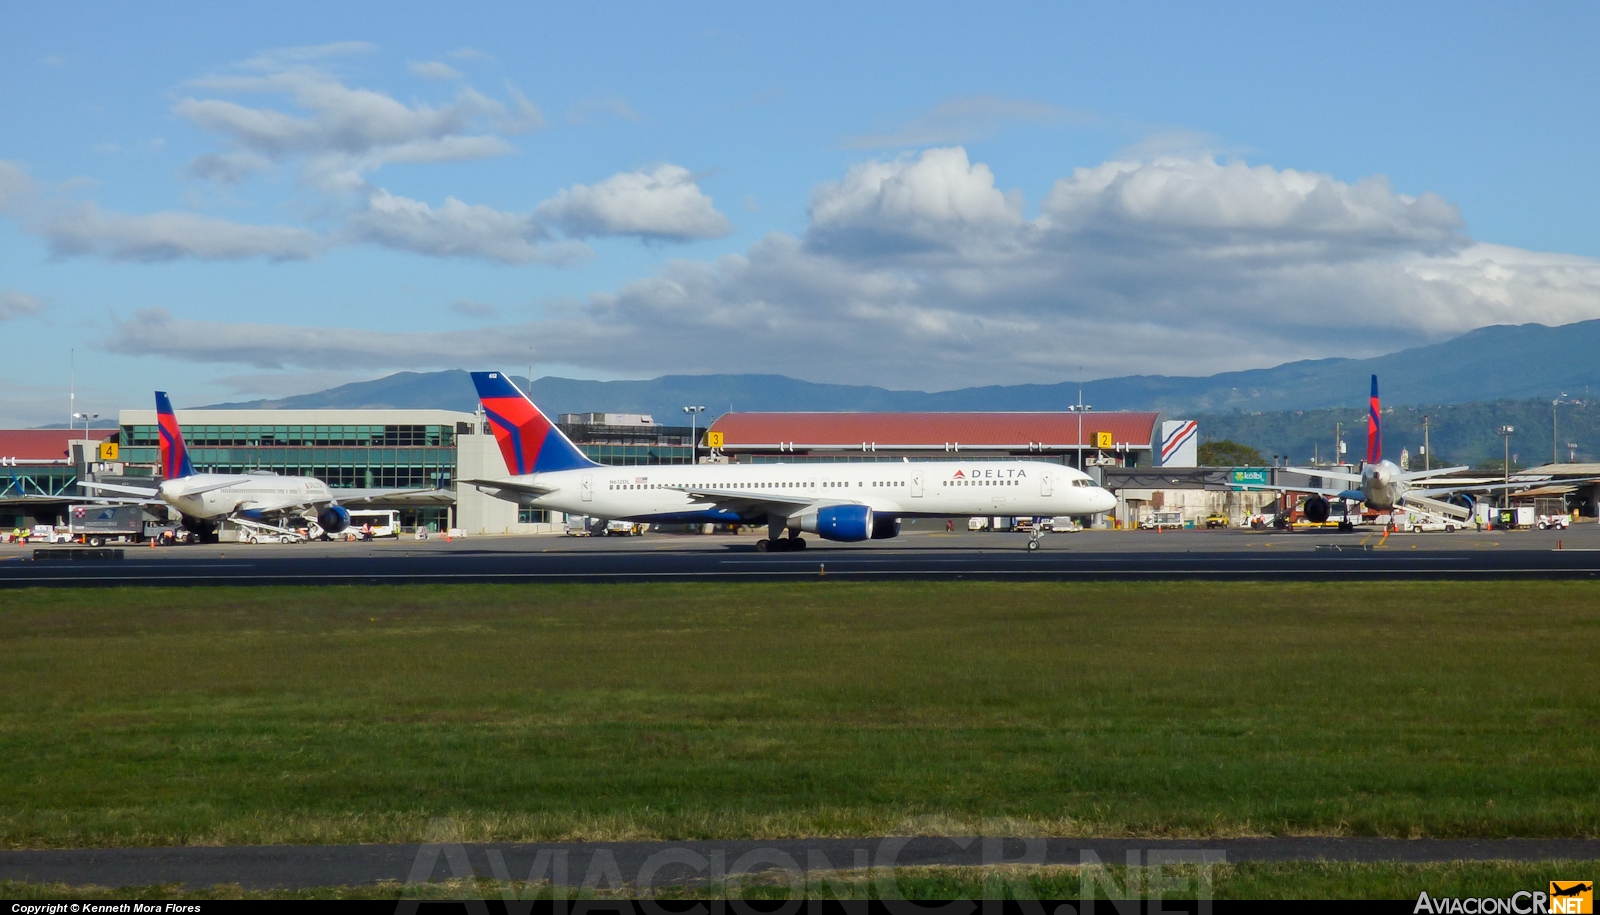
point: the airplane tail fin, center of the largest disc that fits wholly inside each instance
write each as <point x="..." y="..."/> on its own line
<point x="175" y="463"/>
<point x="1374" y="426"/>
<point x="530" y="442"/>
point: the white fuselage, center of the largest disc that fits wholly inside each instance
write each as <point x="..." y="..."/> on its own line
<point x="1382" y="485"/>
<point x="197" y="497"/>
<point x="944" y="488"/>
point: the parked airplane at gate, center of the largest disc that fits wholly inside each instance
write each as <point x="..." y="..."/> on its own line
<point x="204" y="499"/>
<point x="1381" y="484"/>
<point x="844" y="502"/>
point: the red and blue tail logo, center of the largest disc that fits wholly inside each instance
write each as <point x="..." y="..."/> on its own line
<point x="175" y="463"/>
<point x="529" y="441"/>
<point x="1374" y="426"/>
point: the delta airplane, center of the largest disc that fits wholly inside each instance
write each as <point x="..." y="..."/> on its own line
<point x="1381" y="484"/>
<point x="204" y="499"/>
<point x="845" y="502"/>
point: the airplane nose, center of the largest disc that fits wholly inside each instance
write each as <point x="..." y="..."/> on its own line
<point x="1104" y="501"/>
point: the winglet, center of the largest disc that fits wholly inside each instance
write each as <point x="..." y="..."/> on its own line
<point x="175" y="463"/>
<point x="530" y="442"/>
<point x="1374" y="426"/>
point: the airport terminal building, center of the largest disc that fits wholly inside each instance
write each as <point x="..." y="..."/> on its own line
<point x="433" y="450"/>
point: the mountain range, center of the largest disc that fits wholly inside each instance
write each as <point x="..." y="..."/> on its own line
<point x="1491" y="363"/>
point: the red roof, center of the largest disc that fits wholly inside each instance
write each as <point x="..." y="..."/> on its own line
<point x="931" y="430"/>
<point x="44" y="444"/>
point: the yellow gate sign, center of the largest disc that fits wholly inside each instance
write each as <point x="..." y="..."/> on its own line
<point x="713" y="439"/>
<point x="108" y="451"/>
<point x="1102" y="440"/>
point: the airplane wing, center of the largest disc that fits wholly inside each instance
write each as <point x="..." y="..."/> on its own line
<point x="1425" y="474"/>
<point x="1488" y="487"/>
<point x="1319" y="490"/>
<point x="747" y="503"/>
<point x="118" y="487"/>
<point x="1330" y="474"/>
<point x="401" y="496"/>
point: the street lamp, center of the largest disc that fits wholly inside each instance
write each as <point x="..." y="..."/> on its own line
<point x="86" y="417"/>
<point x="1555" y="455"/>
<point x="694" y="435"/>
<point x="1080" y="408"/>
<point x="1505" y="433"/>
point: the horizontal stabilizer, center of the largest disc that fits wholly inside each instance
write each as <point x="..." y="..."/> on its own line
<point x="512" y="485"/>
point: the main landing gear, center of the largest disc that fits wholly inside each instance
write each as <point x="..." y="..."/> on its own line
<point x="780" y="544"/>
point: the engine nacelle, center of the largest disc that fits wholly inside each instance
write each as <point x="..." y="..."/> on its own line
<point x="1317" y="509"/>
<point x="848" y="523"/>
<point x="334" y="518"/>
<point x="885" y="528"/>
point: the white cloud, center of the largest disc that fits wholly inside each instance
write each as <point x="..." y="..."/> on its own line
<point x="1202" y="199"/>
<point x="934" y="201"/>
<point x="74" y="228"/>
<point x="1179" y="267"/>
<point x="15" y="304"/>
<point x="433" y="69"/>
<point x="963" y="120"/>
<point x="458" y="229"/>
<point x="228" y="168"/>
<point x="340" y="132"/>
<point x="665" y="203"/>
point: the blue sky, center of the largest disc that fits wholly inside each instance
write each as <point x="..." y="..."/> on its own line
<point x="235" y="205"/>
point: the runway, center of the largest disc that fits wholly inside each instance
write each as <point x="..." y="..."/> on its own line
<point x="1090" y="556"/>
<point x="654" y="864"/>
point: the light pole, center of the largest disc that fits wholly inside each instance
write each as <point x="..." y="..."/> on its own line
<point x="1426" y="459"/>
<point x="1080" y="408"/>
<point x="1505" y="434"/>
<point x="1572" y="452"/>
<point x="1555" y="453"/>
<point x="86" y="417"/>
<point x="694" y="435"/>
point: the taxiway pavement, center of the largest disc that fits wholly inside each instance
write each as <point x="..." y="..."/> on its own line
<point x="917" y="554"/>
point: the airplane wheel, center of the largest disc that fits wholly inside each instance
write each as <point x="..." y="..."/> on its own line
<point x="1033" y="545"/>
<point x="763" y="545"/>
<point x="799" y="543"/>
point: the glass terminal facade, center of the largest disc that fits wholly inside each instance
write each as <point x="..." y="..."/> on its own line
<point x="347" y="456"/>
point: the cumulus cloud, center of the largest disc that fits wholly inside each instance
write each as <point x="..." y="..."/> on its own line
<point x="458" y="229"/>
<point x="665" y="203"/>
<point x="937" y="200"/>
<point x="963" y="120"/>
<point x="15" y="304"/>
<point x="1179" y="266"/>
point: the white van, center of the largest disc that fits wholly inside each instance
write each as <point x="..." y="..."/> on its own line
<point x="385" y="522"/>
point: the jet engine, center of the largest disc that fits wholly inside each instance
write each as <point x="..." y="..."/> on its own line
<point x="333" y="519"/>
<point x="848" y="523"/>
<point x="1316" y="509"/>
<point x="203" y="531"/>
<point x="885" y="528"/>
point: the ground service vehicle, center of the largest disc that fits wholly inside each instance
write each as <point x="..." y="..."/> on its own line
<point x="97" y="525"/>
<point x="977" y="524"/>
<point x="1216" y="520"/>
<point x="1159" y="519"/>
<point x="385" y="522"/>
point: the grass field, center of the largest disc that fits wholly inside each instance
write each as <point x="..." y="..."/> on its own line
<point x="310" y="715"/>
<point x="1295" y="880"/>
